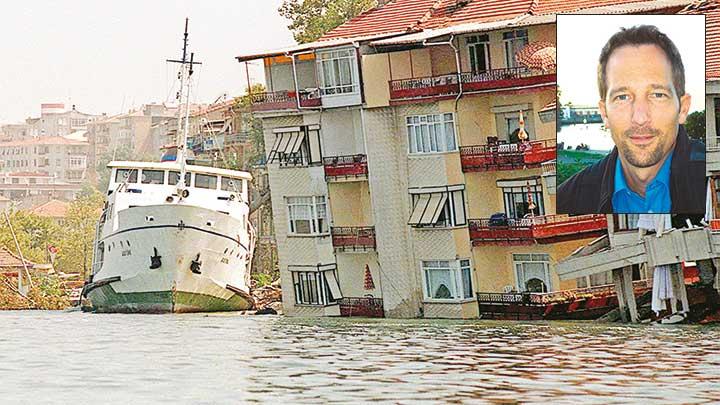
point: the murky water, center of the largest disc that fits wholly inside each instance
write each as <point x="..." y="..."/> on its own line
<point x="76" y="358"/>
<point x="590" y="134"/>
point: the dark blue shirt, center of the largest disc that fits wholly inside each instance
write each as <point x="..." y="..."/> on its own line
<point x="657" y="193"/>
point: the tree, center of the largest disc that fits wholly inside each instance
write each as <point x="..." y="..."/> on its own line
<point x="76" y="244"/>
<point x="695" y="125"/>
<point x="310" y="19"/>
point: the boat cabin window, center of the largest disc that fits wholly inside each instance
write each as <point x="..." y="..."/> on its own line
<point x="230" y="184"/>
<point x="174" y="177"/>
<point x="152" y="177"/>
<point x="205" y="181"/>
<point x="129" y="175"/>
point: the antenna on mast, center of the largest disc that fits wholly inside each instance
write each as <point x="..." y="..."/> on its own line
<point x="186" y="70"/>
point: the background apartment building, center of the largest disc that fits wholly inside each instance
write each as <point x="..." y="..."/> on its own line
<point x="60" y="157"/>
<point x="54" y="120"/>
<point x="399" y="181"/>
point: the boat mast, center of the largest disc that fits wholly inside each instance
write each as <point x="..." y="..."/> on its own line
<point x="186" y="70"/>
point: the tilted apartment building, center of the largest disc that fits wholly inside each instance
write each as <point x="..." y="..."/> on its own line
<point x="393" y="144"/>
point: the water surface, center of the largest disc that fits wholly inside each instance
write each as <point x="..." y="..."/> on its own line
<point x="592" y="135"/>
<point x="77" y="358"/>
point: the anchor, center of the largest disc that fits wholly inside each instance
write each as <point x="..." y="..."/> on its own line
<point x="195" y="265"/>
<point x="155" y="261"/>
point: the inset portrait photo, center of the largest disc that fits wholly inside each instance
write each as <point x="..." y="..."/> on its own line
<point x="631" y="122"/>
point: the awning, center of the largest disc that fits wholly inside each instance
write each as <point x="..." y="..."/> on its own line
<point x="333" y="284"/>
<point x="287" y="143"/>
<point x="428" y="208"/>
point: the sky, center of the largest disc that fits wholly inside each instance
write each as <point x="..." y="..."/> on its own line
<point x="109" y="56"/>
<point x="582" y="37"/>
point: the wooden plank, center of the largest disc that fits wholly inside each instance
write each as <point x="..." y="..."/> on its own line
<point x="601" y="262"/>
<point x="630" y="293"/>
<point x="617" y="275"/>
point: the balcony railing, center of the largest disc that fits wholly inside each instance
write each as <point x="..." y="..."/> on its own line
<point x="353" y="239"/>
<point x="350" y="167"/>
<point x="361" y="306"/>
<point x="515" y="232"/>
<point x="445" y="85"/>
<point x="507" y="156"/>
<point x="549" y="168"/>
<point x="284" y="100"/>
<point x="540" y="229"/>
<point x="713" y="143"/>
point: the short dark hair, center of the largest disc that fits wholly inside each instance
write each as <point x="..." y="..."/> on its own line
<point x="642" y="35"/>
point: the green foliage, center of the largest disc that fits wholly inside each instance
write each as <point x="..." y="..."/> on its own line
<point x="695" y="125"/>
<point x="310" y="19"/>
<point x="75" y="246"/>
<point x="33" y="233"/>
<point x="571" y="162"/>
<point x="262" y="279"/>
<point x="255" y="129"/>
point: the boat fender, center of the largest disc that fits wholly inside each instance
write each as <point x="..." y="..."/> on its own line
<point x="195" y="265"/>
<point x="185" y="193"/>
<point x="155" y="261"/>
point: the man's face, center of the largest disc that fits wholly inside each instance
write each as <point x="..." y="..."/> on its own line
<point x="641" y="107"/>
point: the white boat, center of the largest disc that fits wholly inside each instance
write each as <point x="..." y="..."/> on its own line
<point x="169" y="245"/>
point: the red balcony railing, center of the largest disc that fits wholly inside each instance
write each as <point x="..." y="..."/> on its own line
<point x="358" y="238"/>
<point x="433" y="86"/>
<point x="361" y="306"/>
<point x="552" y="228"/>
<point x="345" y="167"/>
<point x="515" y="232"/>
<point x="507" y="156"/>
<point x="284" y="100"/>
<point x="540" y="229"/>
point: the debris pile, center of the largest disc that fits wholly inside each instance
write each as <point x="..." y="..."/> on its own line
<point x="268" y="299"/>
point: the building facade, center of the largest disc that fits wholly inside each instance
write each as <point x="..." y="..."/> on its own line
<point x="410" y="172"/>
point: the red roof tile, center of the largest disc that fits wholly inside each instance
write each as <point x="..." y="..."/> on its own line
<point x="711" y="9"/>
<point x="397" y="16"/>
<point x="10" y="260"/>
<point x="52" y="209"/>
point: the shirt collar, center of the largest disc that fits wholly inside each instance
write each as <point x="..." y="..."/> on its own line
<point x="663" y="176"/>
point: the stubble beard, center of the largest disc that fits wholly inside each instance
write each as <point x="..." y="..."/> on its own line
<point x="642" y="156"/>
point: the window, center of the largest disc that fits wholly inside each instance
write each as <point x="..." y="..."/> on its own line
<point x="315" y="285"/>
<point x="76" y="161"/>
<point x="431" y="133"/>
<point x="532" y="272"/>
<point x="153" y="176"/>
<point x="338" y="72"/>
<point x="447" y="279"/>
<point x="595" y="280"/>
<point x="514" y="41"/>
<point x="230" y="184"/>
<point x="479" y="51"/>
<point x="298" y="146"/>
<point x="174" y="178"/>
<point x="206" y="181"/>
<point x="129" y="175"/>
<point x="522" y="197"/>
<point x="438" y="207"/>
<point x="307" y="215"/>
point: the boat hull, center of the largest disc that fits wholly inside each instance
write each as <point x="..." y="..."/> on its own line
<point x="188" y="259"/>
<point x="105" y="299"/>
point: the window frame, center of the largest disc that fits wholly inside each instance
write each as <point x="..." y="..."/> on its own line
<point x="473" y="42"/>
<point x="510" y="38"/>
<point x="518" y="260"/>
<point x="306" y="154"/>
<point x="449" y="217"/>
<point x="510" y="192"/>
<point x="418" y="128"/>
<point x="319" y="225"/>
<point x="330" y="73"/>
<point x="308" y="294"/>
<point x="458" y="269"/>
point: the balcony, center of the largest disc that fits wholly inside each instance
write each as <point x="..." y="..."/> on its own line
<point x="284" y="100"/>
<point x="543" y="229"/>
<point x="361" y="306"/>
<point x="353" y="239"/>
<point x="346" y="168"/>
<point x="507" y="156"/>
<point x="438" y="87"/>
